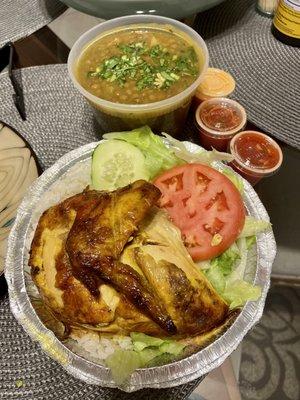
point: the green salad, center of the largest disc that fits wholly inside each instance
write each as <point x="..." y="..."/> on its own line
<point x="125" y="157"/>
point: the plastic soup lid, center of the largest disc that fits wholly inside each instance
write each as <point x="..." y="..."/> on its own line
<point x="216" y="83"/>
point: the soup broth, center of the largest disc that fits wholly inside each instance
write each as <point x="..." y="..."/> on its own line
<point x="138" y="66"/>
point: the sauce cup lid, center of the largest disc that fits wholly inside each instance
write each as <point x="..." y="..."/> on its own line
<point x="222" y="101"/>
<point x="241" y="162"/>
<point x="215" y="83"/>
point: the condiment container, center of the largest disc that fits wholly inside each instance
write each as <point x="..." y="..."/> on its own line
<point x="266" y="7"/>
<point x="286" y="23"/>
<point x="167" y="115"/>
<point x="215" y="83"/>
<point x="256" y="155"/>
<point x="218" y="120"/>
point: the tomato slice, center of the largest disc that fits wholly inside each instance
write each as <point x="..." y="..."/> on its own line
<point x="205" y="205"/>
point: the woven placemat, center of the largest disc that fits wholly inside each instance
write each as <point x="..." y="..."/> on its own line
<point x="20" y="18"/>
<point x="22" y="363"/>
<point x="58" y="120"/>
<point x="266" y="71"/>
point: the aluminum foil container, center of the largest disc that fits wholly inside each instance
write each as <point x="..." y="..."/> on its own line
<point x="72" y="172"/>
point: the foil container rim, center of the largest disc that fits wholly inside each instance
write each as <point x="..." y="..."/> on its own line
<point x="169" y="375"/>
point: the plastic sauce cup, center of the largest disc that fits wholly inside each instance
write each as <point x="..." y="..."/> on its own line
<point x="216" y="83"/>
<point x="218" y="120"/>
<point x="256" y="155"/>
<point x="167" y="115"/>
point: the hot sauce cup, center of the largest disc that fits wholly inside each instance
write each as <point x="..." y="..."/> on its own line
<point x="218" y="120"/>
<point x="256" y="155"/>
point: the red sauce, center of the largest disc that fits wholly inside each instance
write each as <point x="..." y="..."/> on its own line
<point x="220" y="117"/>
<point x="218" y="143"/>
<point x="256" y="151"/>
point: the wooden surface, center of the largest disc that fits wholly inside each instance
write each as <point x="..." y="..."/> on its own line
<point x="41" y="48"/>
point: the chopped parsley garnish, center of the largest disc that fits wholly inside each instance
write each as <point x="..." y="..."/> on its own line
<point x="150" y="67"/>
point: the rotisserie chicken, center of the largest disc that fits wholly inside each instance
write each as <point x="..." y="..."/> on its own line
<point x="113" y="262"/>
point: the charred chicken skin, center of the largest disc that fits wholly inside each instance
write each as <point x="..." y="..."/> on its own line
<point x="114" y="262"/>
<point x="98" y="237"/>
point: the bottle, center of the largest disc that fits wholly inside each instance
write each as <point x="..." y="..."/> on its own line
<point x="286" y="23"/>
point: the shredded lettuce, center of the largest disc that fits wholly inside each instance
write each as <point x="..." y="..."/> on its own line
<point x="149" y="354"/>
<point x="250" y="240"/>
<point x="216" y="277"/>
<point x="227" y="271"/>
<point x="162" y="359"/>
<point x="122" y="364"/>
<point x="201" y="156"/>
<point x="146" y="350"/>
<point x="141" y="341"/>
<point x="222" y="266"/>
<point x="235" y="179"/>
<point x="239" y="292"/>
<point x="254" y="226"/>
<point x="171" y="347"/>
<point x="227" y="259"/>
<point x="158" y="157"/>
<point x="238" y="272"/>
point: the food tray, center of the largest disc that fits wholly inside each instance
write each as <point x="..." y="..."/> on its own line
<point x="174" y="374"/>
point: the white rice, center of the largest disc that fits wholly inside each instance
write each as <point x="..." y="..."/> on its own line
<point x="96" y="348"/>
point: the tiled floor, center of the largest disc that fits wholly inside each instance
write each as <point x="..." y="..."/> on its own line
<point x="271" y="351"/>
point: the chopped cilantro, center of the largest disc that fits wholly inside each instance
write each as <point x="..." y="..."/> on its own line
<point x="155" y="51"/>
<point x="150" y="67"/>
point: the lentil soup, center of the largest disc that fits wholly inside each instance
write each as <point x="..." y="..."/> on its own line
<point x="138" y="66"/>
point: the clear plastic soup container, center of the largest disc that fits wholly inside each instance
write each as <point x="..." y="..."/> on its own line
<point x="218" y="138"/>
<point x="261" y="145"/>
<point x="167" y="115"/>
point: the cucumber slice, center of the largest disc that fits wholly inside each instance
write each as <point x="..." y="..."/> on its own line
<point x="115" y="164"/>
